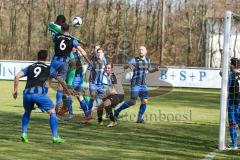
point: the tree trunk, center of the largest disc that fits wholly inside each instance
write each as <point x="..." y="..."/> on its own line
<point x="189" y="34"/>
<point x="158" y="29"/>
<point x="107" y="20"/>
<point x="118" y="24"/>
<point x="95" y="14"/>
<point x="152" y="29"/>
<point x="85" y="27"/>
<point x="203" y="35"/>
<point x="147" y="28"/>
<point x="137" y="13"/>
<point x="189" y="39"/>
<point x="162" y="32"/>
<point x="46" y="18"/>
<point x="29" y="35"/>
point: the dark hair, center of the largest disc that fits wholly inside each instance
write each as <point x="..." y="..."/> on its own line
<point x="60" y="19"/>
<point x="65" y="27"/>
<point x="42" y="55"/>
<point x="99" y="49"/>
<point x="235" y="62"/>
<point x="110" y="63"/>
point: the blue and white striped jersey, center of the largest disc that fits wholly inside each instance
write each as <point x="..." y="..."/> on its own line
<point x="141" y="67"/>
<point x="97" y="71"/>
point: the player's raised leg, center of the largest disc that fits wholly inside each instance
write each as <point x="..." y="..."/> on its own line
<point x="127" y="104"/>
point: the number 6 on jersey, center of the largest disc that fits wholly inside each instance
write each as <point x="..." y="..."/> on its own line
<point x="63" y="45"/>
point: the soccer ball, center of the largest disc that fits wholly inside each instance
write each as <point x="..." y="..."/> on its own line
<point x="77" y="21"/>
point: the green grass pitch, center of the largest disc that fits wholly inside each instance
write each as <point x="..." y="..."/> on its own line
<point x="182" y="124"/>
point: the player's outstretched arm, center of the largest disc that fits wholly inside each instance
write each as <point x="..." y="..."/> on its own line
<point x="63" y="84"/>
<point x="16" y="81"/>
<point x="83" y="53"/>
<point x="154" y="70"/>
<point x="128" y="66"/>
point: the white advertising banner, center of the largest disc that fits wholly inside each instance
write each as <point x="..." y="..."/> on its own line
<point x="185" y="77"/>
<point x="196" y="78"/>
<point x="8" y="69"/>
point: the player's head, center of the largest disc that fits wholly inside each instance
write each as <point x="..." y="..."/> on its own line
<point x="97" y="47"/>
<point x="109" y="67"/>
<point x="42" y="55"/>
<point x="235" y="63"/>
<point x="65" y="27"/>
<point x="100" y="53"/>
<point x="142" y="51"/>
<point x="60" y="20"/>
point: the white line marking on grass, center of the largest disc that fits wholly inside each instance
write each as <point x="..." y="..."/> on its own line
<point x="211" y="155"/>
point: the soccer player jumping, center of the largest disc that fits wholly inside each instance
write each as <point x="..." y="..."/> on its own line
<point x="64" y="44"/>
<point x="35" y="92"/>
<point x="141" y="66"/>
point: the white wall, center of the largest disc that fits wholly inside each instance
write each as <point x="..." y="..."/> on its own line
<point x="214" y="43"/>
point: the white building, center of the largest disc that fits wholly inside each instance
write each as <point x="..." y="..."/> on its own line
<point x="215" y="38"/>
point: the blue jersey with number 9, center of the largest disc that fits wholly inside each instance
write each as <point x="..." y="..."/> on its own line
<point x="37" y="75"/>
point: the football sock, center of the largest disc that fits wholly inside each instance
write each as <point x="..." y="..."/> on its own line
<point x="25" y="121"/>
<point x="142" y="109"/>
<point x="90" y="105"/>
<point x="53" y="121"/>
<point x="84" y="107"/>
<point x="59" y="95"/>
<point x="233" y="134"/>
<point x="123" y="106"/>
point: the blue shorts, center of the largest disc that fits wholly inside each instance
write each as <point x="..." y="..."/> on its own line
<point x="77" y="83"/>
<point x="59" y="67"/>
<point x="99" y="89"/>
<point x="234" y="115"/>
<point x="139" y="91"/>
<point x="43" y="102"/>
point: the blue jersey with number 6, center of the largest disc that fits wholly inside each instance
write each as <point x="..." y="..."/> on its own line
<point x="63" y="47"/>
<point x="64" y="44"/>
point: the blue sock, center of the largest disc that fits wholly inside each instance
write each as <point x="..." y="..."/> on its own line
<point x="46" y="90"/>
<point x="123" y="106"/>
<point x="84" y="107"/>
<point x="53" y="121"/>
<point x="70" y="110"/>
<point x="233" y="134"/>
<point x="69" y="104"/>
<point x="142" y="109"/>
<point x="25" y="121"/>
<point x="59" y="95"/>
<point x="90" y="105"/>
<point x="238" y="115"/>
